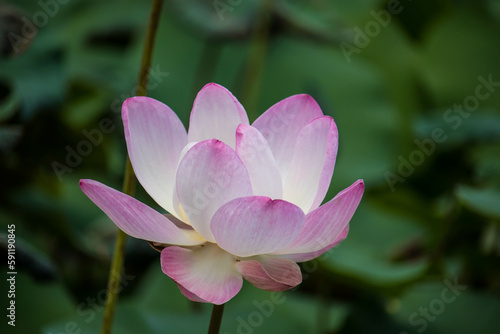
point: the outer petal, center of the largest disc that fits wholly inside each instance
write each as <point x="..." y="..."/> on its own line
<point x="282" y="123"/>
<point x="189" y="295"/>
<point x="207" y="272"/>
<point x="253" y="150"/>
<point x="210" y="175"/>
<point x="271" y="273"/>
<point x="136" y="218"/>
<point x="302" y="257"/>
<point x="311" y="168"/>
<point x="324" y="225"/>
<point x="216" y="114"/>
<point x="256" y="225"/>
<point x="155" y="138"/>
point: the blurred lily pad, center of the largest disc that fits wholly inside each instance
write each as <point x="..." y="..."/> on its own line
<point x="80" y="112"/>
<point x="104" y="54"/>
<point x="31" y="295"/>
<point x="448" y="306"/>
<point x="459" y="48"/>
<point x="481" y="126"/>
<point x="485" y="201"/>
<point x="31" y="260"/>
<point x="375" y="236"/>
<point x="217" y="19"/>
<point x="486" y="161"/>
<point x="34" y="93"/>
<point x="318" y="19"/>
<point x="494" y="8"/>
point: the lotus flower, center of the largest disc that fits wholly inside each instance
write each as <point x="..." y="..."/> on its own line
<point x="244" y="200"/>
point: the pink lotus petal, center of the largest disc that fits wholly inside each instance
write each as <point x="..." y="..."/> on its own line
<point x="303" y="257"/>
<point x="216" y="114"/>
<point x="270" y="273"/>
<point x="137" y="219"/>
<point x="210" y="175"/>
<point x="256" y="225"/>
<point x="189" y="295"/>
<point x="282" y="123"/>
<point x="311" y="168"/>
<point x="255" y="153"/>
<point x="155" y="138"/>
<point x="324" y="225"/>
<point x="206" y="271"/>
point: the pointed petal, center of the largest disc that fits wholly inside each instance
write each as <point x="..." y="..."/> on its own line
<point x="210" y="175"/>
<point x="311" y="168"/>
<point x="270" y="273"/>
<point x="137" y="219"/>
<point x="256" y="225"/>
<point x="303" y="257"/>
<point x="207" y="272"/>
<point x="155" y="138"/>
<point x="282" y="123"/>
<point x="255" y="153"/>
<point x="216" y="114"/>
<point x="324" y="225"/>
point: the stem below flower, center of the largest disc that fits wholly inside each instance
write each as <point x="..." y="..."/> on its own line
<point x="114" y="282"/>
<point x="216" y="319"/>
<point x="129" y="178"/>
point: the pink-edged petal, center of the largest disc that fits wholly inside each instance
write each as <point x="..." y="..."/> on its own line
<point x="302" y="257"/>
<point x="256" y="225"/>
<point x="137" y="219"/>
<point x="155" y="138"/>
<point x="206" y="271"/>
<point x="281" y="124"/>
<point x="324" y="225"/>
<point x="189" y="295"/>
<point x="255" y="153"/>
<point x="216" y="114"/>
<point x="210" y="175"/>
<point x="270" y="273"/>
<point x="311" y="168"/>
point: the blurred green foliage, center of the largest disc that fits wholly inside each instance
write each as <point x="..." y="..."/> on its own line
<point x="429" y="220"/>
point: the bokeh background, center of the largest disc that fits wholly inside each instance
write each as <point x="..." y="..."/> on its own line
<point x="414" y="87"/>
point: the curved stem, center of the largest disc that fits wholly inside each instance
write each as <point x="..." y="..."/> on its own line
<point x="216" y="319"/>
<point x="129" y="178"/>
<point x="114" y="282"/>
<point x="147" y="55"/>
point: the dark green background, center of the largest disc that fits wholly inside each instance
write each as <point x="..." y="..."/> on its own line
<point x="408" y="241"/>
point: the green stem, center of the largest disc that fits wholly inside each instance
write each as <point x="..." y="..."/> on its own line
<point x="147" y="55"/>
<point x="129" y="180"/>
<point x="114" y="282"/>
<point x="216" y="319"/>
